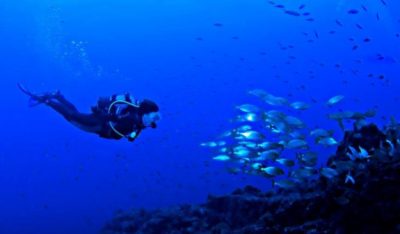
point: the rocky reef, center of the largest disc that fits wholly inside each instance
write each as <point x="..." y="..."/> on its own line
<point x="368" y="203"/>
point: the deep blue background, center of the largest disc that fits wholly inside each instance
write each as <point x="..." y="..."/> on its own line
<point x="57" y="179"/>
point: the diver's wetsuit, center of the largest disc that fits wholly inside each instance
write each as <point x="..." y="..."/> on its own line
<point x="127" y="120"/>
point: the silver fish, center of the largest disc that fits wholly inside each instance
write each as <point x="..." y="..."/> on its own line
<point x="248" y="144"/>
<point x="286" y="162"/>
<point x="308" y="158"/>
<point x="300" y="105"/>
<point x="277" y="127"/>
<point x="297" y="135"/>
<point x="284" y="183"/>
<point x="273" y="171"/>
<point x="248" y="117"/>
<point x="256" y="166"/>
<point x="294" y="122"/>
<point x="270" y="145"/>
<point x="243" y="128"/>
<point x="273" y="116"/>
<point x="248" y="108"/>
<point x="363" y="153"/>
<point x="327" y="141"/>
<point x="297" y="144"/>
<point x="303" y="172"/>
<point x="223" y="150"/>
<point x="258" y="92"/>
<point x="392" y="149"/>
<point x="227" y="134"/>
<point x="328" y="172"/>
<point x="341" y="115"/>
<point x="319" y="133"/>
<point x="268" y="155"/>
<point x="334" y="100"/>
<point x="209" y="144"/>
<point x="241" y="151"/>
<point x="221" y="143"/>
<point x="275" y="100"/>
<point x="349" y="178"/>
<point x="354" y="154"/>
<point x="252" y="135"/>
<point x="222" y="158"/>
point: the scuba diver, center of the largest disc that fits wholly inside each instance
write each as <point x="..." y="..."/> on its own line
<point x="116" y="117"/>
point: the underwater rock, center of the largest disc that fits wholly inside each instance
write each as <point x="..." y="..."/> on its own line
<point x="370" y="205"/>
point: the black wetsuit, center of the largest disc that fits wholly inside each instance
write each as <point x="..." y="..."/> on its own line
<point x="128" y="121"/>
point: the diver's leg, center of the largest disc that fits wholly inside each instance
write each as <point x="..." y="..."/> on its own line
<point x="65" y="110"/>
<point x="87" y="122"/>
<point x="60" y="98"/>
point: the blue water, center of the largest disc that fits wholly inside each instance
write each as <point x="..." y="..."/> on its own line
<point x="58" y="179"/>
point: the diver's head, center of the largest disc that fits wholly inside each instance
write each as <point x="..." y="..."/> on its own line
<point x="149" y="112"/>
<point x="151" y="119"/>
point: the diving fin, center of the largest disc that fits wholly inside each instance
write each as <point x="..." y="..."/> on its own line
<point x="34" y="100"/>
<point x="24" y="90"/>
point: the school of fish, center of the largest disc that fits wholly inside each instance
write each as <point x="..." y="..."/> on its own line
<point x="271" y="143"/>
